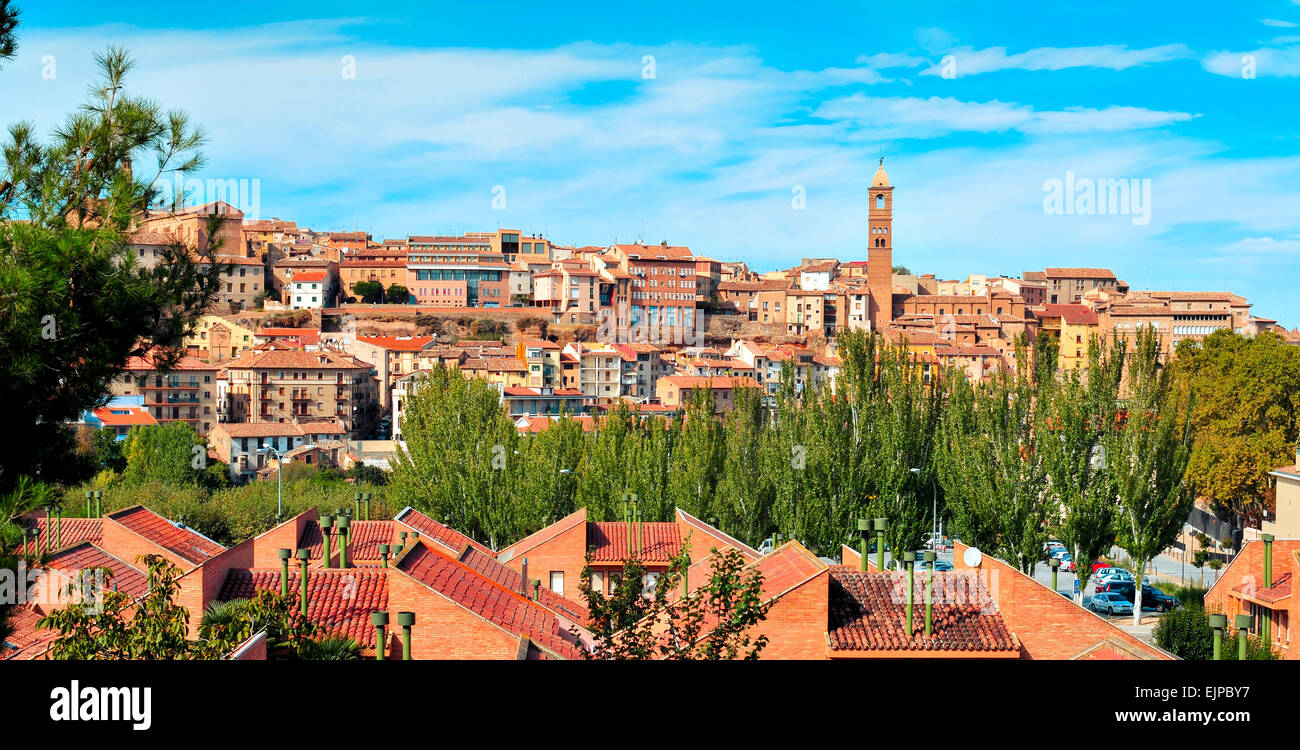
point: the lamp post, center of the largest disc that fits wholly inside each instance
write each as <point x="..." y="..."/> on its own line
<point x="934" y="510"/>
<point x="279" y="481"/>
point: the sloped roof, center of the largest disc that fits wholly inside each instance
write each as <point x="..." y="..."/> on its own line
<point x="867" y="612"/>
<point x="445" y="535"/>
<point x="340" y="601"/>
<point x="611" y="541"/>
<point x="187" y="544"/>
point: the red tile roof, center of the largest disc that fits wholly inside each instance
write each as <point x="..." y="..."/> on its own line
<point x="481" y="595"/>
<point x="186" y="544"/>
<point x="787" y="567"/>
<point x="444" y="535"/>
<point x="709" y="536"/>
<point x="340" y="601"/>
<point x="867" y="612"/>
<point x="487" y="566"/>
<point x="308" y="276"/>
<point x="1280" y="589"/>
<point x="122" y="576"/>
<point x="364" y="538"/>
<point x="124" y="416"/>
<point x="398" y="343"/>
<point x="659" y="541"/>
<point x="71" y="531"/>
<point x="26" y="641"/>
<point x="1078" y="273"/>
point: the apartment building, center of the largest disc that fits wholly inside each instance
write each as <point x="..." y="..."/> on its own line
<point x="288" y="387"/>
<point x="643" y="365"/>
<point x="1069" y="285"/>
<point x="185" y="393"/>
<point x="663" y="287"/>
<point x="392" y="357"/>
<point x="457" y="272"/>
<point x="310" y="290"/>
<point x="384" y="264"/>
<point x="599" y="371"/>
<point x="220" y="337"/>
<point x="249" y="447"/>
<point x="1075" y="326"/>
<point x="675" y="391"/>
<point x="543" y="360"/>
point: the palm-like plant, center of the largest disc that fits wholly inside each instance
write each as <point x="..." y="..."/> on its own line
<point x="330" y="648"/>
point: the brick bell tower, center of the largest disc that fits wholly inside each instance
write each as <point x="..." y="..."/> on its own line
<point x="880" y="249"/>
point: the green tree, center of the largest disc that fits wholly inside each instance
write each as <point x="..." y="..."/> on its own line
<point x="8" y="23"/>
<point x="369" y="292"/>
<point x="398" y="295"/>
<point x="1079" y="408"/>
<point x="171" y="454"/>
<point x="1245" y="416"/>
<point x="74" y="303"/>
<point x="714" y="622"/>
<point x="108" y="450"/>
<point x="992" y="464"/>
<point x="1147" y="459"/>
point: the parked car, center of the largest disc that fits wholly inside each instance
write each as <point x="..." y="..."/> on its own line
<point x="1111" y="604"/>
<point x="1152" y="597"/>
<point x="1106" y="575"/>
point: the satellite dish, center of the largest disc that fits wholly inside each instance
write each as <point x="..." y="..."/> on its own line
<point x="972" y="557"/>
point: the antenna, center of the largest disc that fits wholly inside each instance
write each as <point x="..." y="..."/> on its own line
<point x="972" y="557"/>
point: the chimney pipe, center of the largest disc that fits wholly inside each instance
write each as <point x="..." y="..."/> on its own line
<point x="909" y="560"/>
<point x="929" y="556"/>
<point x="356" y="502"/>
<point x="383" y="555"/>
<point x="406" y="620"/>
<point x="880" y="524"/>
<point x="1243" y="625"/>
<point x="1266" y="619"/>
<point x="1217" y="624"/>
<point x="366" y="497"/>
<point x="89" y="504"/>
<point x="99" y="503"/>
<point x="524" y="573"/>
<point x="537" y="589"/>
<point x="303" y="555"/>
<point x="49" y="529"/>
<point x="1055" y="565"/>
<point x="640" y="532"/>
<point x="864" y="531"/>
<point x="284" y="572"/>
<point x="343" y="524"/>
<point x="58" y="526"/>
<point x="326" y="526"/>
<point x="380" y="621"/>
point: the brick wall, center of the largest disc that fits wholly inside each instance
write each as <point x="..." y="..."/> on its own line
<point x="443" y="629"/>
<point x="564" y="551"/>
<point x="796" y="625"/>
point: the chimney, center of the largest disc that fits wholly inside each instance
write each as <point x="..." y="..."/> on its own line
<point x="1218" y="623"/>
<point x="864" y="531"/>
<point x="380" y="621"/>
<point x="929" y="556"/>
<point x="303" y="555"/>
<point x="406" y="620"/>
<point x="524" y="573"/>
<point x="383" y="555"/>
<point x="284" y="572"/>
<point x="343" y="524"/>
<point x="880" y="524"/>
<point x="909" y="560"/>
<point x="537" y="589"/>
<point x="1266" y="621"/>
<point x="326" y="525"/>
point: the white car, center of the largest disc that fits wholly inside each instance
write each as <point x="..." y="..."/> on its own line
<point x="1108" y="575"/>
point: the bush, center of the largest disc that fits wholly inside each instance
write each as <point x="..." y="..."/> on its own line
<point x="1185" y="632"/>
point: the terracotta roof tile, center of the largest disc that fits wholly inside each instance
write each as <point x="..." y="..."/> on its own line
<point x="364" y="538"/>
<point x="867" y="612"/>
<point x="340" y="601"/>
<point x="71" y="531"/>
<point x="186" y="544"/>
<point x="479" y="594"/>
<point x="444" y="535"/>
<point x="123" y="577"/>
<point x="659" y="541"/>
<point x="487" y="566"/>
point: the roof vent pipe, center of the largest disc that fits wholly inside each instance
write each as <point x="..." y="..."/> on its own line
<point x="343" y="524"/>
<point x="303" y="555"/>
<point x="524" y="573"/>
<point x="284" y="571"/>
<point x="326" y="527"/>
<point x="864" y="531"/>
<point x="383" y="555"/>
<point x="909" y="560"/>
<point x="380" y="621"/>
<point x="930" y="556"/>
<point x="406" y="620"/>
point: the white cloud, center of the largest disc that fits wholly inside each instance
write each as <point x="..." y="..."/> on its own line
<point x="1278" y="23"/>
<point x="916" y="117"/>
<point x="970" y="61"/>
<point x="1269" y="62"/>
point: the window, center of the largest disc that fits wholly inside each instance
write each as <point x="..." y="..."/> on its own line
<point x="557" y="581"/>
<point x="648" y="584"/>
<point x="598" y="582"/>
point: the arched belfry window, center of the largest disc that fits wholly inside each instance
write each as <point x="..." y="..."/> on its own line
<point x="880" y="200"/>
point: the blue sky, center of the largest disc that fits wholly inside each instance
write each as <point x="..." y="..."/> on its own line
<point x="975" y="110"/>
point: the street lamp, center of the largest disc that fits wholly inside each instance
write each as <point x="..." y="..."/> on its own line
<point x="279" y="481"/>
<point x="934" y="511"/>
